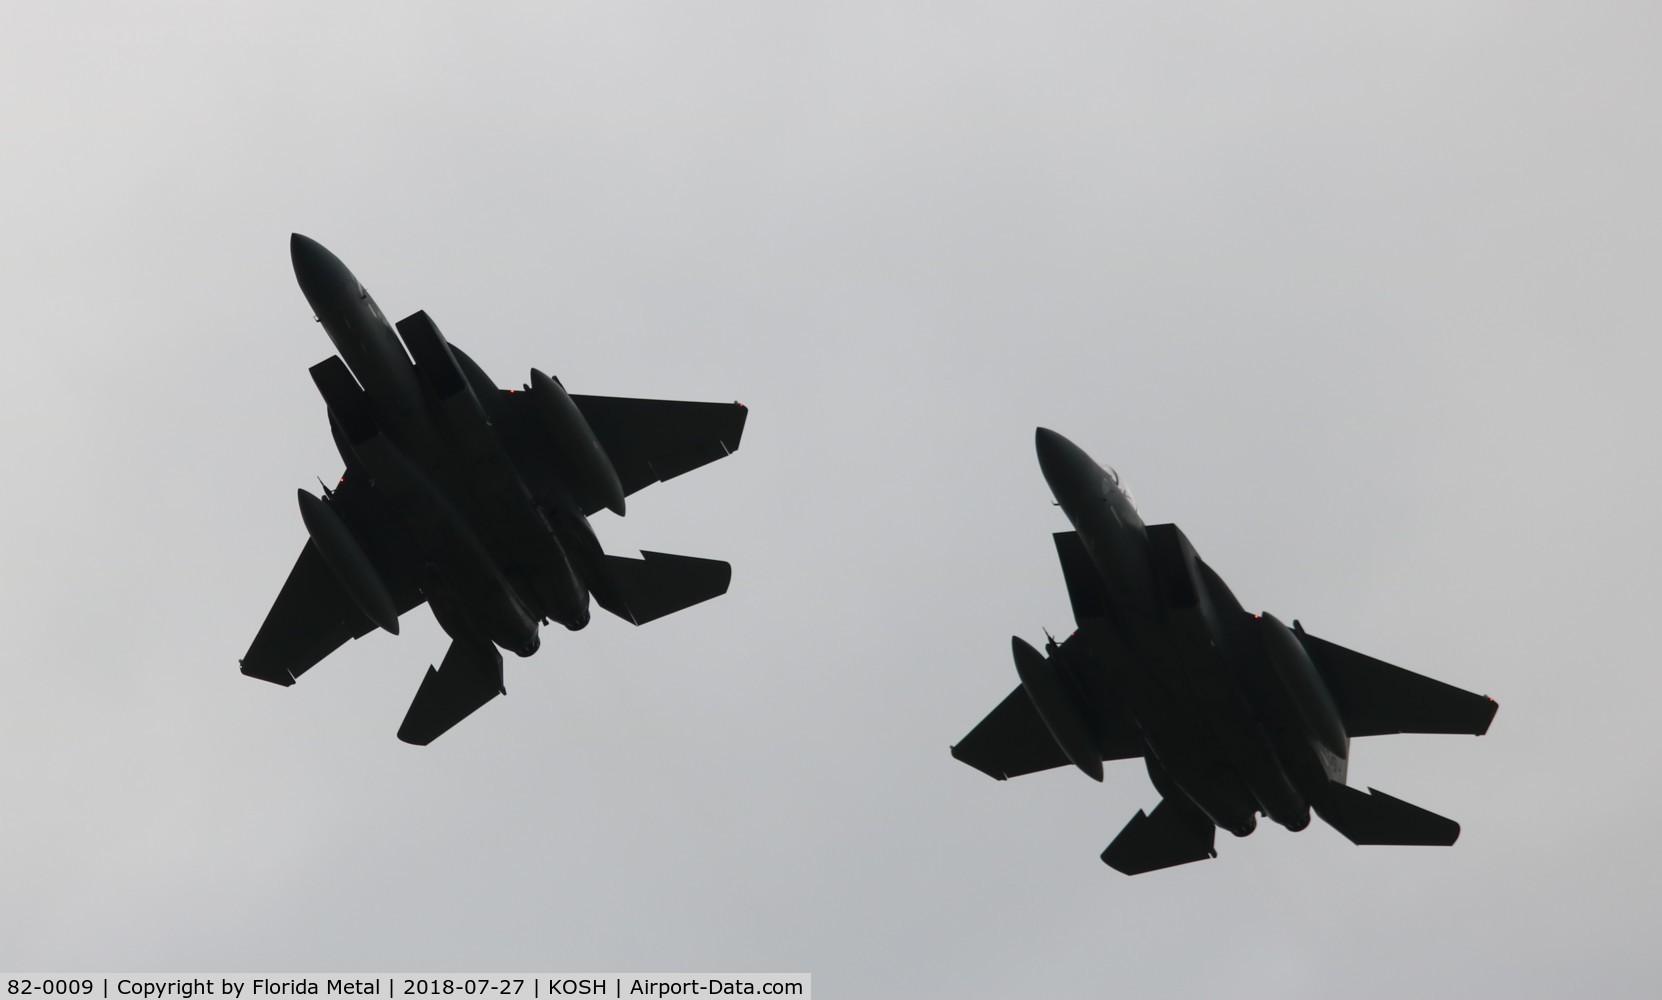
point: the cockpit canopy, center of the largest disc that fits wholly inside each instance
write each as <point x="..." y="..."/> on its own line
<point x="1119" y="487"/>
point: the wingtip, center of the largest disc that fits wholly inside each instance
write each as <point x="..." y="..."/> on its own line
<point x="995" y="775"/>
<point x="285" y="679"/>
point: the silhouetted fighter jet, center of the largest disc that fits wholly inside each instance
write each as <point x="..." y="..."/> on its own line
<point x="1234" y="714"/>
<point x="473" y="499"/>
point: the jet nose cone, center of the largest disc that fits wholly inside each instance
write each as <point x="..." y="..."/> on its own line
<point x="1047" y="441"/>
<point x="305" y="251"/>
<point x="1065" y="465"/>
<point x="320" y="273"/>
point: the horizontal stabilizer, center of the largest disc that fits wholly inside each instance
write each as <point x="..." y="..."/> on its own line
<point x="1376" y="698"/>
<point x="658" y="584"/>
<point x="1372" y="817"/>
<point x="470" y="675"/>
<point x="1173" y="834"/>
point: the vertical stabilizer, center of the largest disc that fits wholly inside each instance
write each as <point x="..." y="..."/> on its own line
<point x="658" y="584"/>
<point x="1175" y="833"/>
<point x="470" y="675"/>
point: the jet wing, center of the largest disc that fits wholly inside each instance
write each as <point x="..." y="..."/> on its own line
<point x="1012" y="740"/>
<point x="1376" y="698"/>
<point x="650" y="440"/>
<point x="314" y="615"/>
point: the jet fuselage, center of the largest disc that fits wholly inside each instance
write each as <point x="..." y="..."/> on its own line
<point x="472" y="500"/>
<point x="496" y="563"/>
<point x="364" y="337"/>
<point x="1235" y="715"/>
<point x="1189" y="674"/>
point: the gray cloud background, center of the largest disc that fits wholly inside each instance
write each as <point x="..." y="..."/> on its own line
<point x="1362" y="298"/>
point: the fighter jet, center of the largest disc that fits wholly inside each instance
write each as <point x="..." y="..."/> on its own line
<point x="1235" y="715"/>
<point x="472" y="499"/>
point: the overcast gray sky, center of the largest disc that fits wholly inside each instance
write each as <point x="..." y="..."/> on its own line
<point x="1363" y="297"/>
